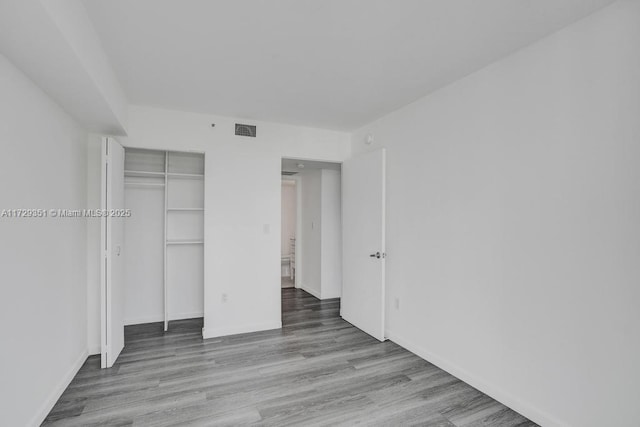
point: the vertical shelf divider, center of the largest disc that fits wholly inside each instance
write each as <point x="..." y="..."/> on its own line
<point x="166" y="207"/>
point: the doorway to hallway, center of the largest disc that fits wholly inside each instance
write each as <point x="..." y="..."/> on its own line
<point x="311" y="227"/>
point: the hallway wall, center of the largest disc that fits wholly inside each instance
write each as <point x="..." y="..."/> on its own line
<point x="321" y="233"/>
<point x="289" y="214"/>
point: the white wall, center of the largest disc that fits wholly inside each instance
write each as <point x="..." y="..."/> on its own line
<point x="43" y="293"/>
<point x="331" y="234"/>
<point x="242" y="205"/>
<point x="513" y="232"/>
<point x="311" y="239"/>
<point x="321" y="240"/>
<point x="144" y="256"/>
<point x="289" y="215"/>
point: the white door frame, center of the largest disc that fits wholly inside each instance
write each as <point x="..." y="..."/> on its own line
<point x="299" y="190"/>
<point x="103" y="259"/>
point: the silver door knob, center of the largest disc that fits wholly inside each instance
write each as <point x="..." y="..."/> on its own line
<point x="376" y="255"/>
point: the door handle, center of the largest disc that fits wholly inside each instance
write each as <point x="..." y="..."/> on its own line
<point x="376" y="255"/>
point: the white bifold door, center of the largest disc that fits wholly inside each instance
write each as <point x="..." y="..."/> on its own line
<point x="112" y="259"/>
<point x="363" y="240"/>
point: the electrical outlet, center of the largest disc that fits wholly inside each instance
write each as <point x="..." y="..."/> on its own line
<point x="224" y="297"/>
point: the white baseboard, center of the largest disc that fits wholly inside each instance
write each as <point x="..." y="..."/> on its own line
<point x="160" y="318"/>
<point x="317" y="294"/>
<point x="331" y="296"/>
<point x="188" y="315"/>
<point x="94" y="350"/>
<point x="50" y="402"/>
<point x="143" y="319"/>
<point x="536" y="415"/>
<point x="311" y="291"/>
<point x="244" y="329"/>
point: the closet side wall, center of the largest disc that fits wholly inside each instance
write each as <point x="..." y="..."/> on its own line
<point x="144" y="236"/>
<point x="143" y="255"/>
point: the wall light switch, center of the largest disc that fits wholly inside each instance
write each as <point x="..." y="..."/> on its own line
<point x="266" y="228"/>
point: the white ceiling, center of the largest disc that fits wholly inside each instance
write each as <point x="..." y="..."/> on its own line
<point x="335" y="64"/>
<point x="54" y="44"/>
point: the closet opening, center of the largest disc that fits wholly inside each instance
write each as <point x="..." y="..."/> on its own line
<point x="164" y="237"/>
<point x="311" y="227"/>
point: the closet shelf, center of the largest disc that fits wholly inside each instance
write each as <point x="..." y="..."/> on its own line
<point x="143" y="173"/>
<point x="185" y="175"/>
<point x="144" y="184"/>
<point x="185" y="242"/>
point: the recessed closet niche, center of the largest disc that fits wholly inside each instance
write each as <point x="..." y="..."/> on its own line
<point x="164" y="237"/>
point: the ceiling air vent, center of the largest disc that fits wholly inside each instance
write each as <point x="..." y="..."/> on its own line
<point x="287" y="173"/>
<point x="245" y="130"/>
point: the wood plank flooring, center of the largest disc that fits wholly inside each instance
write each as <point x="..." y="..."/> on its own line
<point x="317" y="370"/>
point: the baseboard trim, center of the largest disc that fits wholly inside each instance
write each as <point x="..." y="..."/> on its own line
<point x="311" y="291"/>
<point x="48" y="404"/>
<point x="183" y="316"/>
<point x="94" y="350"/>
<point x="156" y="319"/>
<point x="534" y="414"/>
<point x="244" y="329"/>
<point x="143" y="320"/>
<point x="334" y="296"/>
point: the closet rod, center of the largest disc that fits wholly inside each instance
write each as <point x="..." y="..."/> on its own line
<point x="185" y="242"/>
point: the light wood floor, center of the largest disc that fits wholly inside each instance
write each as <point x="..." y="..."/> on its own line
<point x="317" y="370"/>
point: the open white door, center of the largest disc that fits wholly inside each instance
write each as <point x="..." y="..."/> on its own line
<point x="112" y="265"/>
<point x="363" y="240"/>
